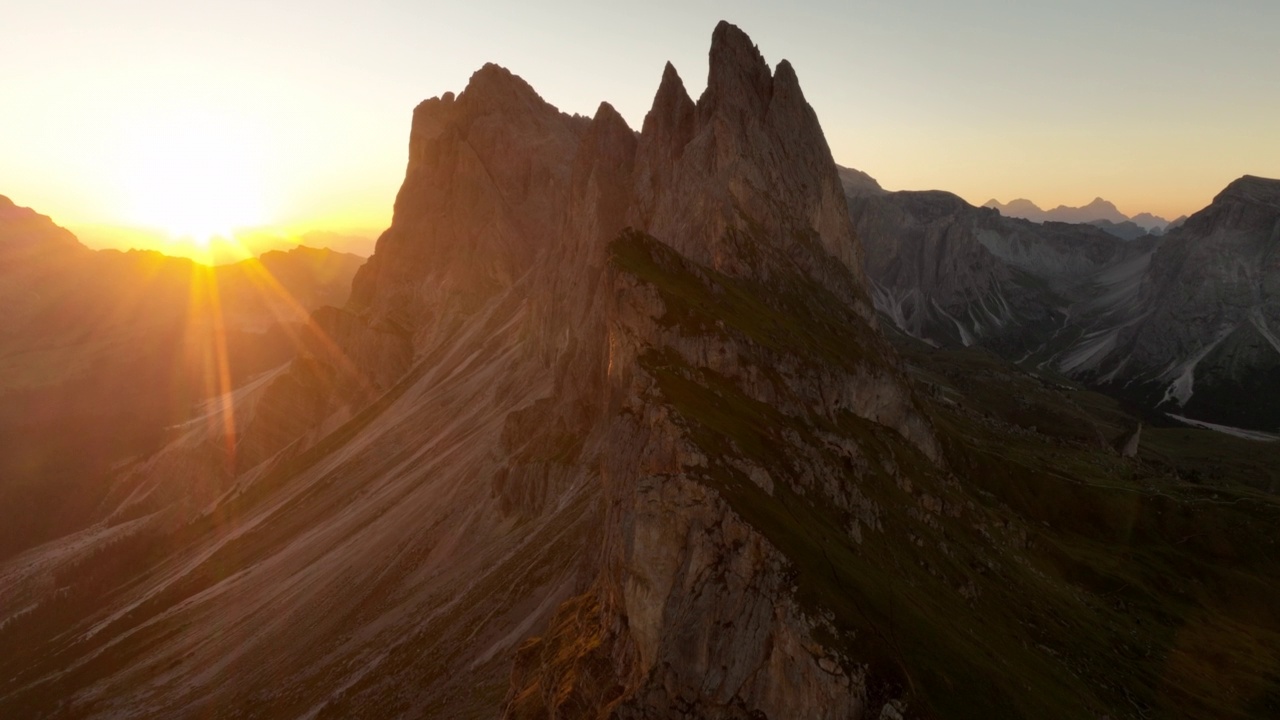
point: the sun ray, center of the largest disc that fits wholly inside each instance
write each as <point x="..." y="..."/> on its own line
<point x="209" y="325"/>
<point x="312" y="337"/>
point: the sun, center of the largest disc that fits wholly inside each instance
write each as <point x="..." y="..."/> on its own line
<point x="193" y="176"/>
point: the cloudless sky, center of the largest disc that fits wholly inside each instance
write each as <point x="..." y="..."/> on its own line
<point x="113" y="110"/>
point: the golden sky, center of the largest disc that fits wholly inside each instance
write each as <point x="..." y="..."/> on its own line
<point x="148" y="119"/>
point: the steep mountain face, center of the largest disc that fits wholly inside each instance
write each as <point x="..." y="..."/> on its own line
<point x="951" y="273"/>
<point x="507" y="426"/>
<point x="1101" y="212"/>
<point x="1210" y="305"/>
<point x="1181" y="323"/>
<point x="101" y="351"/>
<point x="726" y="199"/>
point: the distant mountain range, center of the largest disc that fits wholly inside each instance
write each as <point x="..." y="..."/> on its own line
<point x="1185" y="323"/>
<point x="1100" y="212"/>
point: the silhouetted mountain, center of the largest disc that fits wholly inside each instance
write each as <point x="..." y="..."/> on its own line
<point x="1149" y="222"/>
<point x="101" y="351"/>
<point x="1126" y="230"/>
<point x="338" y="242"/>
<point x="1097" y="210"/>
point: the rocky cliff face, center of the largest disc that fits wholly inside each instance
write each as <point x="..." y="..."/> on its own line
<point x="734" y="194"/>
<point x="951" y="273"/>
<point x="1207" y="337"/>
<point x="736" y="199"/>
<point x="555" y="361"/>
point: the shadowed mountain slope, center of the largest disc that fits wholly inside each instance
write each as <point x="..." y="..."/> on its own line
<point x="1181" y="324"/>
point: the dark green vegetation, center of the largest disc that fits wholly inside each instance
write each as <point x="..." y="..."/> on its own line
<point x="1039" y="574"/>
<point x="699" y="300"/>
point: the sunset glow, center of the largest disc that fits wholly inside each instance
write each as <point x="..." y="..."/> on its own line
<point x="194" y="177"/>
<point x="289" y="116"/>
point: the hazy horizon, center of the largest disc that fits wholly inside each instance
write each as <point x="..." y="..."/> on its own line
<point x="296" y="120"/>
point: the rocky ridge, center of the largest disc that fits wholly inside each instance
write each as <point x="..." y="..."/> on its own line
<point x="1099" y="211"/>
<point x="539" y="311"/>
<point x="948" y="272"/>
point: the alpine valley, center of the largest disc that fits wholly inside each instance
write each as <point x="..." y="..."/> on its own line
<point x="688" y="422"/>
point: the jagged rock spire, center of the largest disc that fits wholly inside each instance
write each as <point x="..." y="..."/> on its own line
<point x="738" y="78"/>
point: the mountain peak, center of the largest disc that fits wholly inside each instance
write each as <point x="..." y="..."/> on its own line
<point x="495" y="87"/>
<point x="25" y="231"/>
<point x="1096" y="205"/>
<point x="1253" y="188"/>
<point x="606" y="113"/>
<point x="671" y="81"/>
<point x="857" y="182"/>
<point x="1248" y="203"/>
<point x="672" y="105"/>
<point x="785" y="74"/>
<point x="738" y="74"/>
<point x="731" y="39"/>
<point x="1019" y="207"/>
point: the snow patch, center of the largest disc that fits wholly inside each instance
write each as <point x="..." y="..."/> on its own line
<point x="1183" y="385"/>
<point x="890" y="304"/>
<point x="1090" y="352"/>
<point x="966" y="337"/>
<point x="1260" y="322"/>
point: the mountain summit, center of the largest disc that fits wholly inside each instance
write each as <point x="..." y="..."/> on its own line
<point x="26" y="235"/>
